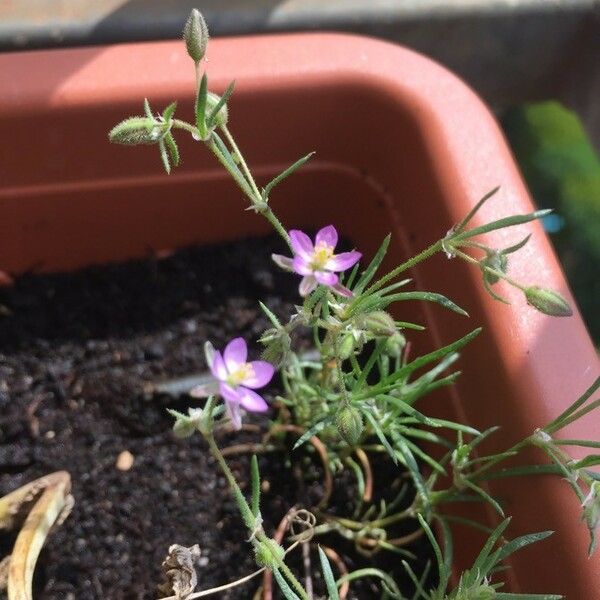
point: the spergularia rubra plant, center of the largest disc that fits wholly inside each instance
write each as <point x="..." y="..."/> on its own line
<point x="356" y="393"/>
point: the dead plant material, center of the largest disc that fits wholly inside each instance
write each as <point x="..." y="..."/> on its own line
<point x="180" y="571"/>
<point x="50" y="501"/>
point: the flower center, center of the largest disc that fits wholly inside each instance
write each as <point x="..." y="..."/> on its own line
<point x="243" y="372"/>
<point x="321" y="254"/>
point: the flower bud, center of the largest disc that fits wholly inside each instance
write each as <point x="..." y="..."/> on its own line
<point x="138" y="130"/>
<point x="195" y="35"/>
<point x="496" y="261"/>
<point x="395" y="344"/>
<point x="186" y="426"/>
<point x="349" y="423"/>
<point x="268" y="554"/>
<point x="379" y="323"/>
<point x="548" y="302"/>
<point x="223" y="114"/>
<point x="346" y="346"/>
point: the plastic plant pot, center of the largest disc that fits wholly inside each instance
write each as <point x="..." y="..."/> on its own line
<point x="402" y="146"/>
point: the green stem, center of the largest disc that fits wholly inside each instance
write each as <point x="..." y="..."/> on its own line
<point x="489" y="270"/>
<point x="425" y="254"/>
<point x="248" y="517"/>
<point x="243" y="163"/>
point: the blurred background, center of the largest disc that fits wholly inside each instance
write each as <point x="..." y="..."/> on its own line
<point x="535" y="62"/>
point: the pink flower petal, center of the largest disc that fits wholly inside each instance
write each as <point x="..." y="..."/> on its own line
<point x="218" y="368"/>
<point x="263" y="373"/>
<point x="285" y="262"/>
<point x="301" y="243"/>
<point x="343" y="261"/>
<point x="326" y="278"/>
<point x="342" y="291"/>
<point x="205" y="390"/>
<point x="328" y="235"/>
<point x="251" y="401"/>
<point x="230" y="394"/>
<point x="236" y="353"/>
<point x="307" y="285"/>
<point x="301" y="266"/>
<point x="233" y="411"/>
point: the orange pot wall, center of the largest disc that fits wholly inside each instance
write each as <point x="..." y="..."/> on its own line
<point x="402" y="146"/>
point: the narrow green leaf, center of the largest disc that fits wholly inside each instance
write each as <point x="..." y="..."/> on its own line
<point x="520" y="542"/>
<point x="379" y="433"/>
<point x="147" y="109"/>
<point x="164" y="157"/>
<point x="407" y="325"/>
<point x="426" y="297"/>
<point x="492" y="293"/>
<point x="589" y="461"/>
<point x="219" y="105"/>
<point x="232" y="165"/>
<point x="479" y="491"/>
<point x="201" y="106"/>
<point x="443" y="575"/>
<point x="286" y="590"/>
<point x="370" y="271"/>
<point x="517" y="246"/>
<point x="313" y="431"/>
<point x="255" y="477"/>
<point x="169" y="112"/>
<point x="431" y="357"/>
<point x="501" y="224"/>
<point x="332" y="589"/>
<point x="472" y="212"/>
<point x="172" y="148"/>
<point x="286" y="173"/>
<point x="509" y="596"/>
<point x="580" y="443"/>
<point x="270" y="315"/>
<point x="481" y="562"/>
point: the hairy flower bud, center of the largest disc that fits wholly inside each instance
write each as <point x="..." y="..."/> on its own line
<point x="186" y="426"/>
<point x="346" y="346"/>
<point x="349" y="423"/>
<point x="548" y="302"/>
<point x="223" y="114"/>
<point x="195" y="35"/>
<point x="138" y="130"/>
<point x="268" y="554"/>
<point x="379" y="323"/>
<point x="395" y="344"/>
<point x="494" y="260"/>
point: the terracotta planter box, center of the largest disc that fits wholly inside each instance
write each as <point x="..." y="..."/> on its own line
<point x="402" y="145"/>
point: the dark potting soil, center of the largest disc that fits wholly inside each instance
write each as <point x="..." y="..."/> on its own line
<point x="77" y="355"/>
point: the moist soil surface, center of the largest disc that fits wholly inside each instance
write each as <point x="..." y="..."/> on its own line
<point x="79" y="353"/>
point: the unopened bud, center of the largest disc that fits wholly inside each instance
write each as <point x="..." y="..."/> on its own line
<point x="223" y="114"/>
<point x="195" y="35"/>
<point x="138" y="130"/>
<point x="349" y="423"/>
<point x="548" y="302"/>
<point x="346" y="346"/>
<point x="395" y="344"/>
<point x="496" y="261"/>
<point x="379" y="323"/>
<point x="186" y="426"/>
<point x="268" y="553"/>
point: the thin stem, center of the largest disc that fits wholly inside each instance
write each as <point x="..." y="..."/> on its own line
<point x="243" y="163"/>
<point x="248" y="516"/>
<point x="489" y="270"/>
<point x="425" y="254"/>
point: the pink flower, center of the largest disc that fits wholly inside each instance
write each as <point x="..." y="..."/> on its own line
<point x="237" y="379"/>
<point x="316" y="262"/>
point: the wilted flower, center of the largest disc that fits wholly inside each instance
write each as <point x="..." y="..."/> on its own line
<point x="237" y="379"/>
<point x="317" y="262"/>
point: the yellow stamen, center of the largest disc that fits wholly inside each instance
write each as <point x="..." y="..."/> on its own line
<point x="322" y="253"/>
<point x="243" y="372"/>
